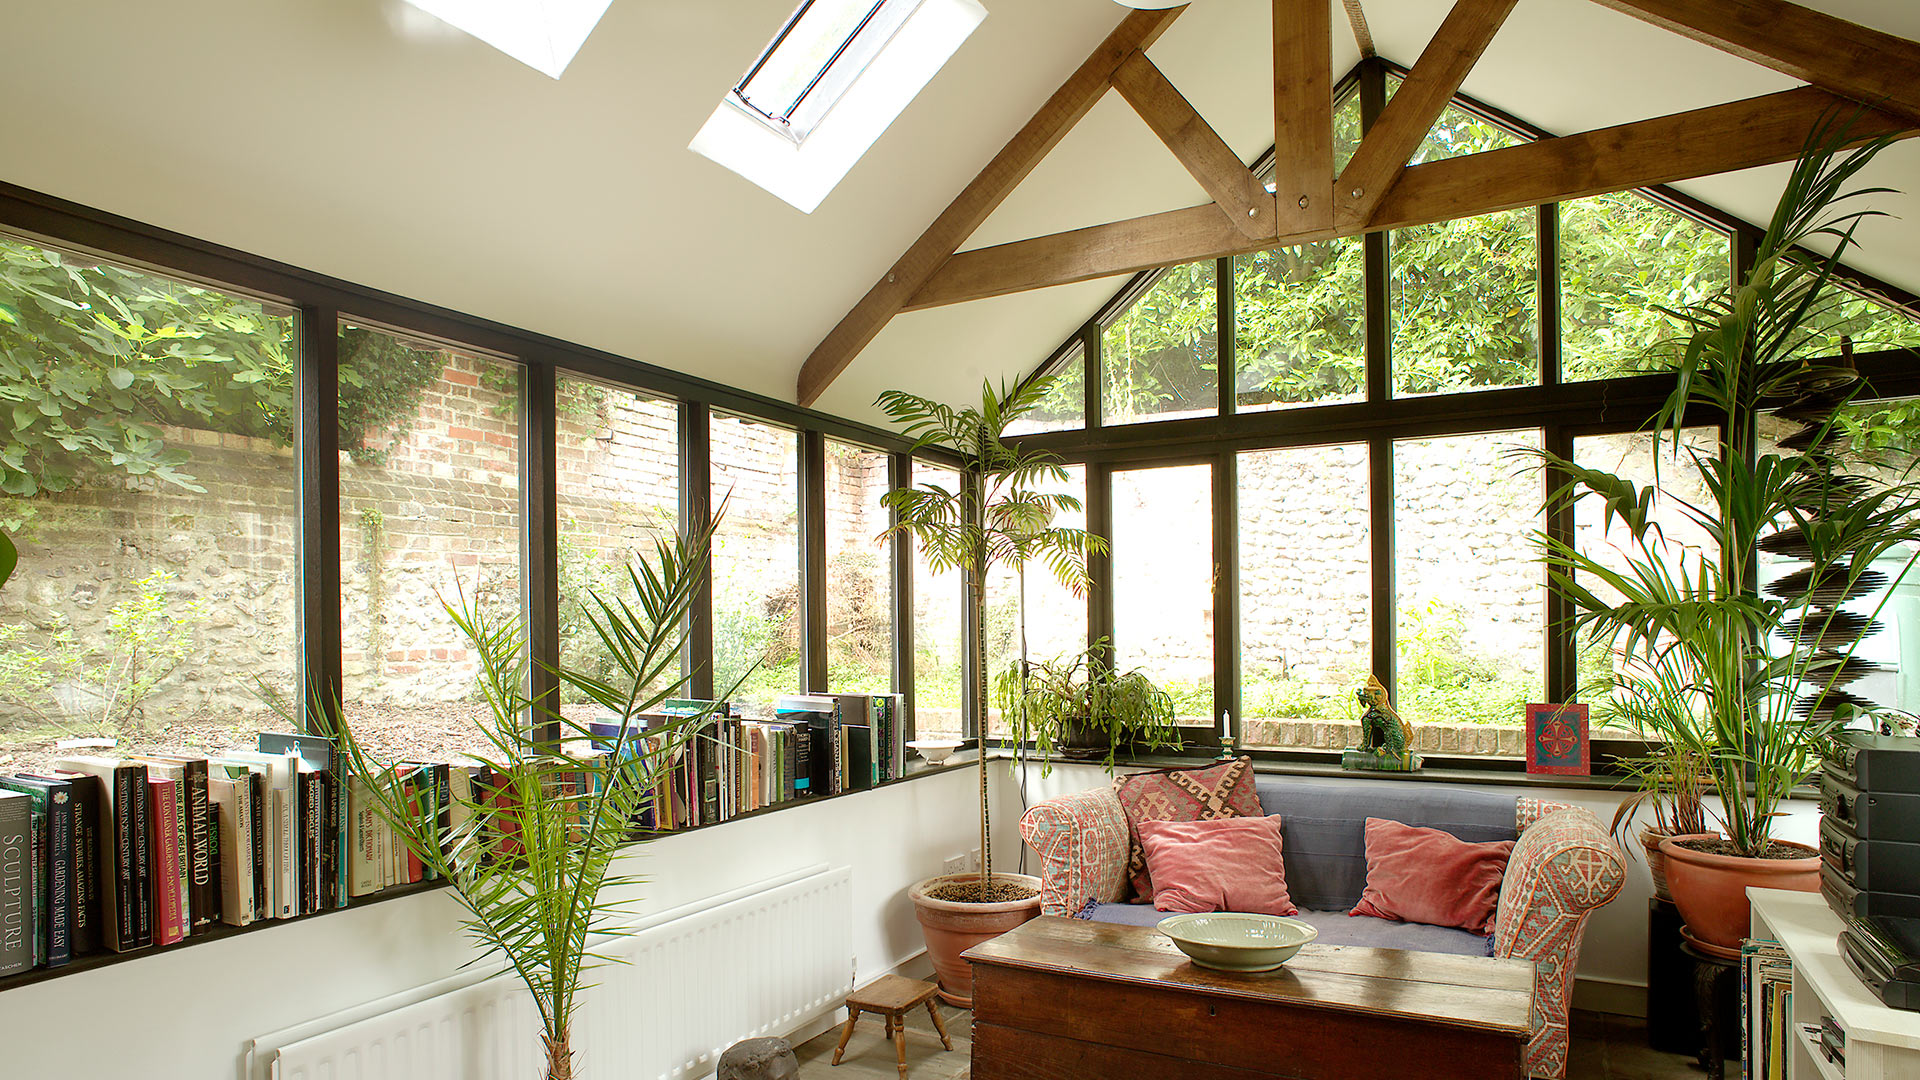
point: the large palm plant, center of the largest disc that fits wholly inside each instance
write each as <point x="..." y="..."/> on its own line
<point x="1728" y="676"/>
<point x="532" y="860"/>
<point x="998" y="516"/>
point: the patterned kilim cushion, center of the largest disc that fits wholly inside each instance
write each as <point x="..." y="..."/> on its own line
<point x="1222" y="790"/>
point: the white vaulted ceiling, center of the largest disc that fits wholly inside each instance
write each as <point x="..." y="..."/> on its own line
<point x="341" y="136"/>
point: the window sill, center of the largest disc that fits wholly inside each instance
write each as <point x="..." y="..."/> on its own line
<point x="96" y="960"/>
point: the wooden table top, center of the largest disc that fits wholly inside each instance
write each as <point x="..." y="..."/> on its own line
<point x="1476" y="992"/>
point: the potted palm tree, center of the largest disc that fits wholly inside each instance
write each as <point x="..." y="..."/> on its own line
<point x="1079" y="707"/>
<point x="998" y="516"/>
<point x="531" y="858"/>
<point x="1755" y="677"/>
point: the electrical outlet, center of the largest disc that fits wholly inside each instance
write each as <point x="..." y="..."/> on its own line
<point x="956" y="865"/>
<point x="973" y="861"/>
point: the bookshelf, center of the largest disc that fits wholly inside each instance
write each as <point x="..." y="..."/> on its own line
<point x="1882" y="1043"/>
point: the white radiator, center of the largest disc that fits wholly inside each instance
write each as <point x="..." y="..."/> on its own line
<point x="759" y="961"/>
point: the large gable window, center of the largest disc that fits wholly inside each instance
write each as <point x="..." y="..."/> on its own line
<point x="832" y="79"/>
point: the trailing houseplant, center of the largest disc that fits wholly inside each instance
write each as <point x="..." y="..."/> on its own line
<point x="532" y="860"/>
<point x="997" y="517"/>
<point x="1761" y="703"/>
<point x="1078" y="706"/>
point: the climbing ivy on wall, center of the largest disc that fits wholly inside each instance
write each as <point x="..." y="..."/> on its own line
<point x="96" y="359"/>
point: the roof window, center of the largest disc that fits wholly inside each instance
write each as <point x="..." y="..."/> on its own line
<point x="861" y="61"/>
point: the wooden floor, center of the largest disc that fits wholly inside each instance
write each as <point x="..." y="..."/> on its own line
<point x="1604" y="1048"/>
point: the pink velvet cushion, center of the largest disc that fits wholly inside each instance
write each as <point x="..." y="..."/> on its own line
<point x="1227" y="864"/>
<point x="1222" y="790"/>
<point x="1430" y="876"/>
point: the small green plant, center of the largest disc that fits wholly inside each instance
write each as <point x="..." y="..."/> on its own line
<point x="1080" y="703"/>
<point x="9" y="557"/>
<point x="148" y="637"/>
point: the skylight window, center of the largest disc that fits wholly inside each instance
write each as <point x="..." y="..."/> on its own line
<point x="833" y="78"/>
<point x="814" y="59"/>
<point x="542" y="34"/>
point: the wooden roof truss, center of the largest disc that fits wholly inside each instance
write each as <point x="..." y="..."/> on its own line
<point x="1845" y="66"/>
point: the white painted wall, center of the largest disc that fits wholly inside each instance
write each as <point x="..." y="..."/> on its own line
<point x="183" y="1014"/>
<point x="1613" y="960"/>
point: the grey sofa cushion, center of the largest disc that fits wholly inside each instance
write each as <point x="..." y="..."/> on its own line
<point x="1336" y="928"/>
<point x="1323" y="829"/>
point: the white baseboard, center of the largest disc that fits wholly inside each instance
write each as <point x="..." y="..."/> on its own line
<point x="1610" y="996"/>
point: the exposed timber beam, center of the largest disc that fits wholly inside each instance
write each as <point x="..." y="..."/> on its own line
<point x="1848" y="59"/>
<point x="1239" y="194"/>
<point x="1362" y="36"/>
<point x="1701" y="142"/>
<point x="963" y="216"/>
<point x="1303" y="114"/>
<point x="1429" y="87"/>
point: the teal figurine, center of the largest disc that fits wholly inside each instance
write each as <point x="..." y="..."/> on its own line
<point x="1384" y="736"/>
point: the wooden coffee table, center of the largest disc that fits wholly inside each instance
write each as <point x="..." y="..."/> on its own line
<point x="1067" y="999"/>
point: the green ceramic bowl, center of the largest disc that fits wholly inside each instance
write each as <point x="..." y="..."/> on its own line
<point x="1230" y="941"/>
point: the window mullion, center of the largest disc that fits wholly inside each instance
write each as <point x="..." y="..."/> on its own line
<point x="317" y="375"/>
<point x="812" y="448"/>
<point x="696" y="514"/>
<point x="540" y="543"/>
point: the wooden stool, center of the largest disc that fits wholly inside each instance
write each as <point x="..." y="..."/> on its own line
<point x="893" y="996"/>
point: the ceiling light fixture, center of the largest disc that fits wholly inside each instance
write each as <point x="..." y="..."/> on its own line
<point x="542" y="34"/>
<point x="1155" y="5"/>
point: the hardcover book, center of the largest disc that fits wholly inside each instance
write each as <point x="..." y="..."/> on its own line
<point x="121" y="861"/>
<point x="168" y="861"/>
<point x="59" y="896"/>
<point x="203" y="839"/>
<point x="229" y="795"/>
<point x="16" y="882"/>
<point x="179" y="877"/>
<point x="85" y="795"/>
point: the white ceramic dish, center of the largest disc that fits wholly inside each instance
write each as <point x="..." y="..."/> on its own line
<point x="1231" y="941"/>
<point x="934" y="751"/>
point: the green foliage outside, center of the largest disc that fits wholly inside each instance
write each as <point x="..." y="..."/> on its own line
<point x="1464" y="305"/>
<point x="95" y="359"/>
<point x="1159" y="356"/>
<point x="56" y="683"/>
<point x="1441" y="678"/>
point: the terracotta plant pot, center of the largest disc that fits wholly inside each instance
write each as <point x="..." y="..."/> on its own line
<point x="953" y="928"/>
<point x="1711" y="890"/>
<point x="1656" y="862"/>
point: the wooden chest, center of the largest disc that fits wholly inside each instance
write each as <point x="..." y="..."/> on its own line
<point x="1066" y="999"/>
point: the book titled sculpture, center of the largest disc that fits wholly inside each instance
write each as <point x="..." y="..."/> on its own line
<point x="1386" y="740"/>
<point x="1557" y="740"/>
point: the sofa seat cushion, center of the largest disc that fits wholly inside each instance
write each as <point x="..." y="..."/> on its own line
<point x="1336" y="928"/>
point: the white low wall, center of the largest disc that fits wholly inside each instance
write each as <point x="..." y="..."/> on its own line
<point x="1612" y="976"/>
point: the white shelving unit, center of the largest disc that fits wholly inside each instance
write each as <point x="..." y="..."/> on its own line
<point x="1882" y="1043"/>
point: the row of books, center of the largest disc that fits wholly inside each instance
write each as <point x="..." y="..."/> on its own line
<point x="126" y="853"/>
<point x="1766" y="1005"/>
<point x="130" y="853"/>
<point x="860" y="733"/>
<point x="729" y="765"/>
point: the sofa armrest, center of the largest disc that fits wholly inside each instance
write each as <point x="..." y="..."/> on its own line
<point x="1082" y="843"/>
<point x="1562" y="867"/>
